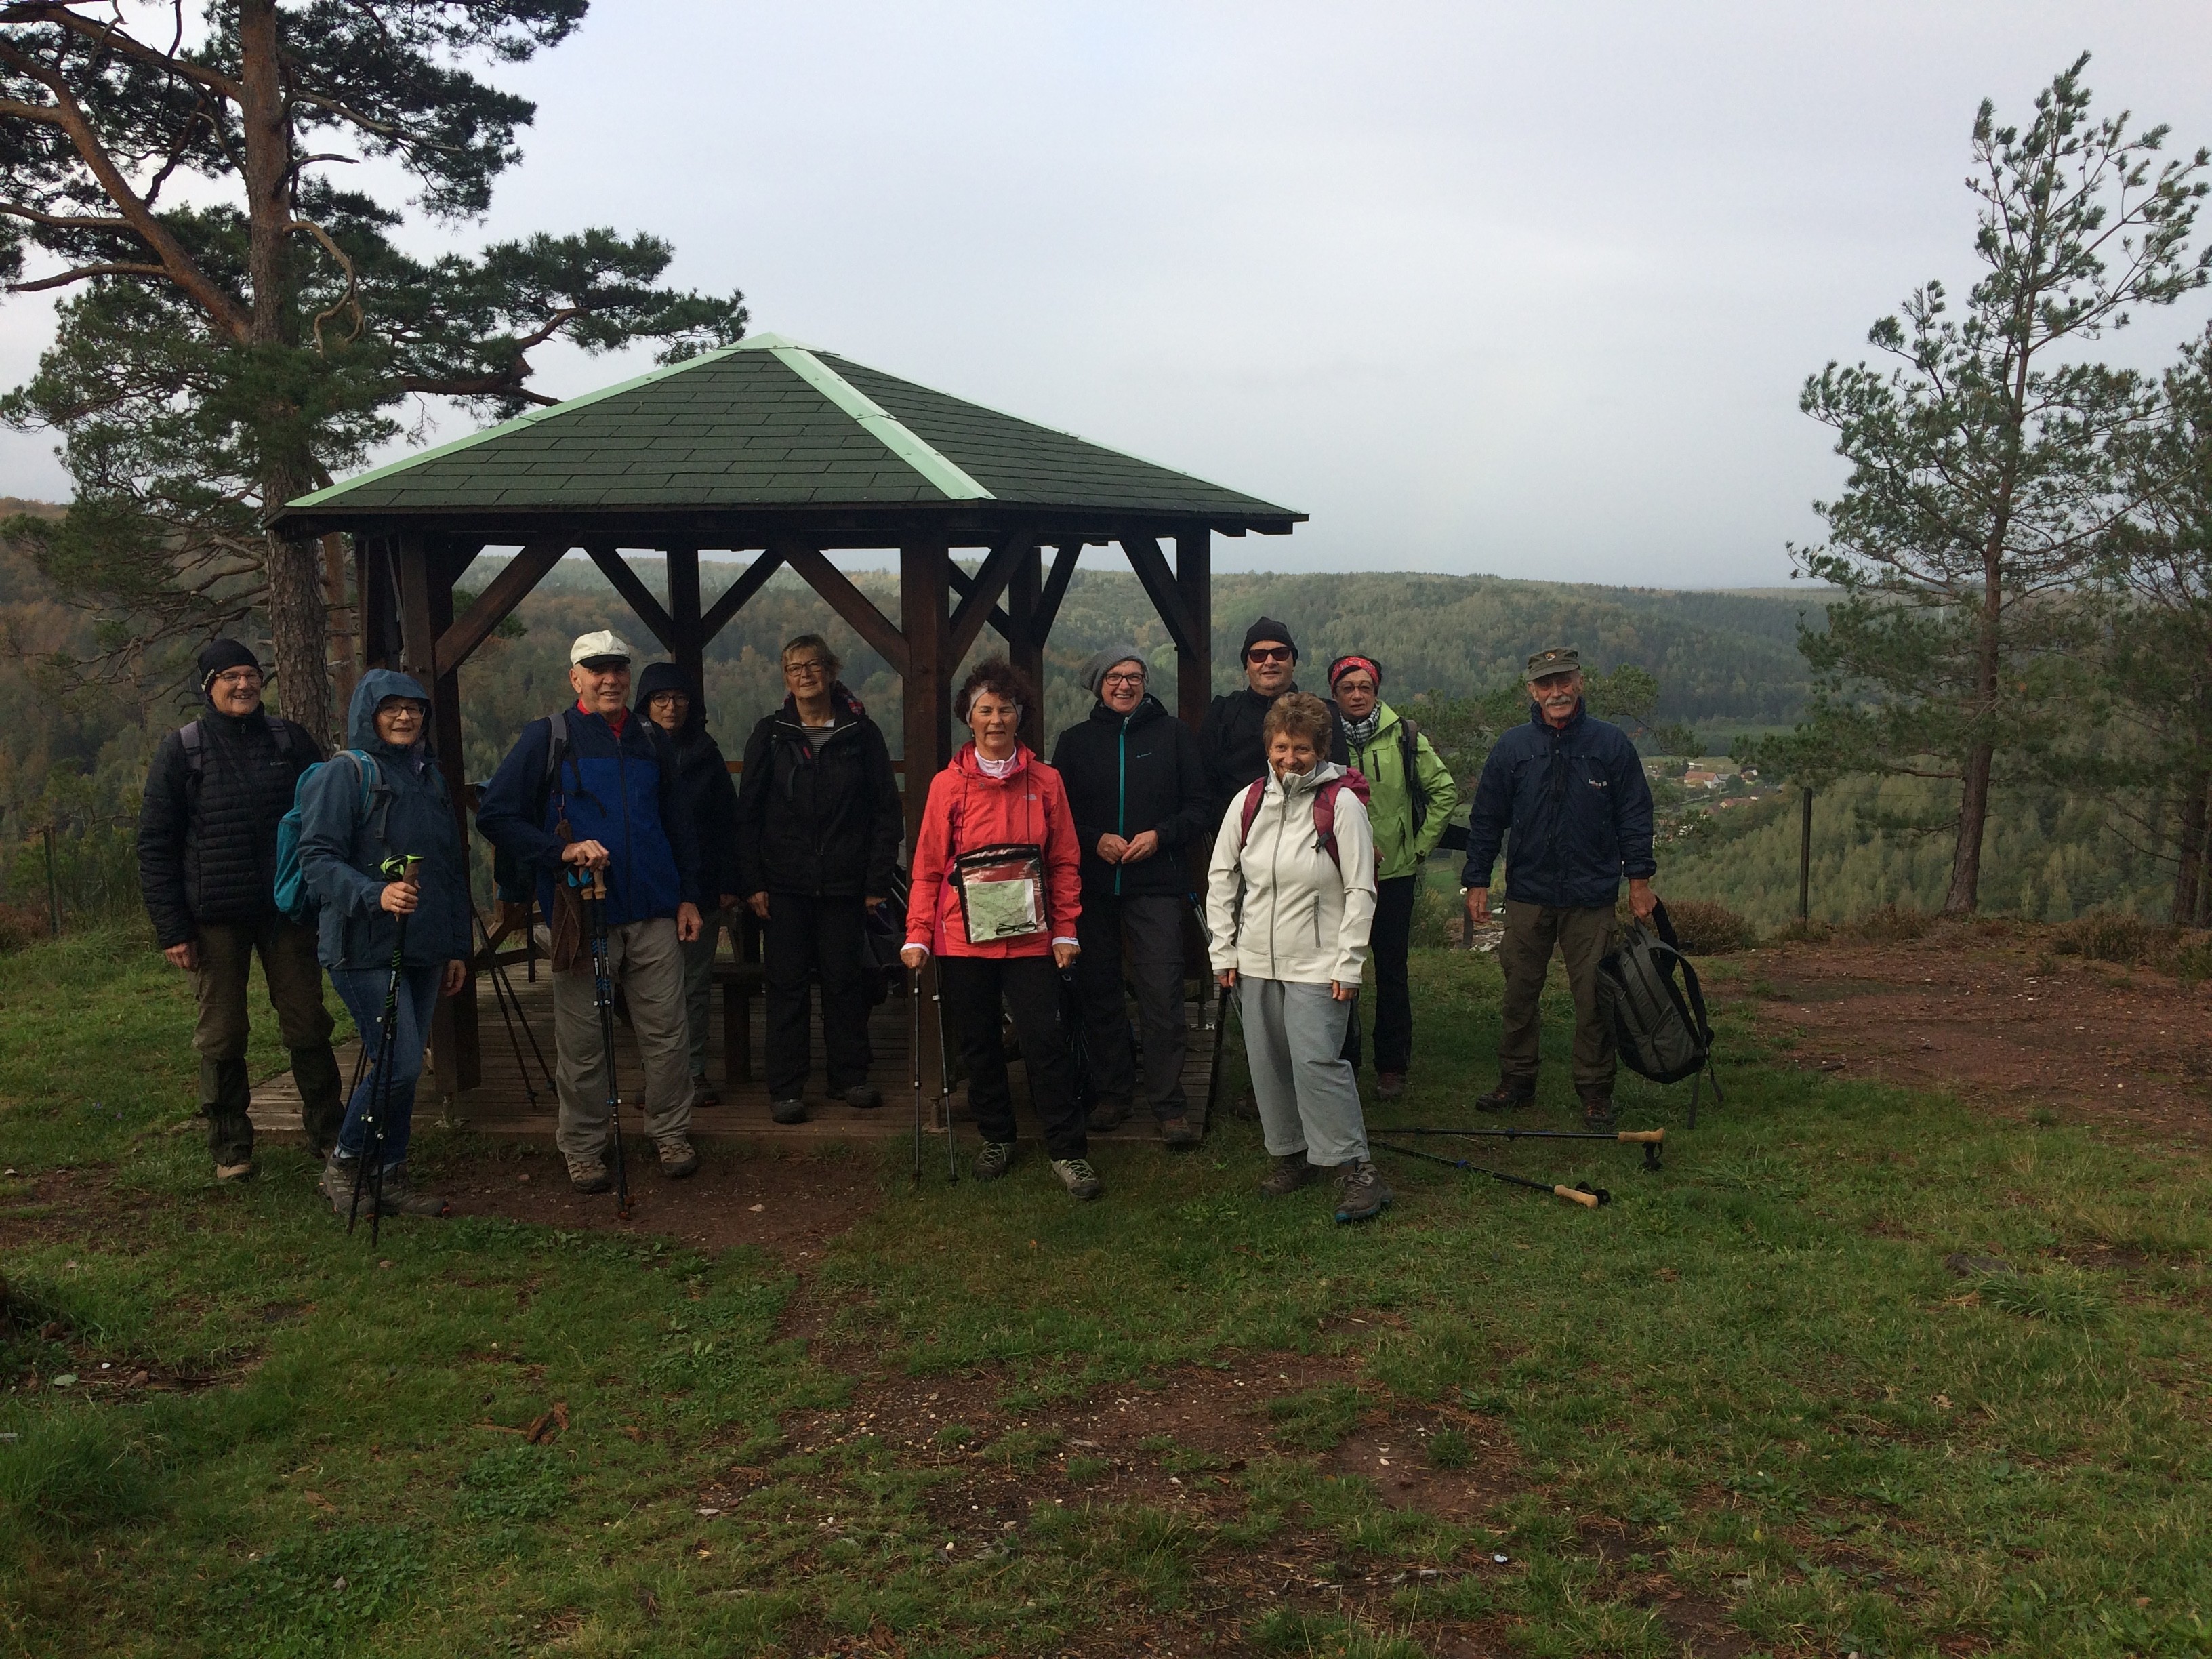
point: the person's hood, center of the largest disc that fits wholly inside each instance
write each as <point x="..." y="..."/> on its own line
<point x="964" y="762"/>
<point x="1148" y="708"/>
<point x="1304" y="783"/>
<point x="374" y="687"/>
<point x="667" y="677"/>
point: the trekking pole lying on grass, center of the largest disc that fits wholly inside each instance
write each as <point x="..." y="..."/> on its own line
<point x="1650" y="1139"/>
<point x="392" y="869"/>
<point x="592" y="887"/>
<point x="1589" y="1197"/>
<point x="913" y="1060"/>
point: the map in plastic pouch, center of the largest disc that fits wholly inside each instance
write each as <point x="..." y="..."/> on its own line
<point x="1001" y="893"/>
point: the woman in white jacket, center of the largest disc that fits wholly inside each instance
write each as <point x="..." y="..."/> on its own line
<point x="1290" y="897"/>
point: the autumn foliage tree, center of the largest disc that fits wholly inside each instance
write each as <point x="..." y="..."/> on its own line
<point x="242" y="325"/>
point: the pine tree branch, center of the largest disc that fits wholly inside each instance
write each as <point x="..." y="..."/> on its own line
<point x="85" y="273"/>
<point x="110" y="37"/>
<point x="64" y="221"/>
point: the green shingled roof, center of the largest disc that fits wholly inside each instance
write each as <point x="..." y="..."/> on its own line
<point x="768" y="423"/>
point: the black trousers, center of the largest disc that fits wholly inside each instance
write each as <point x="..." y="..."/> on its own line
<point x="1387" y="943"/>
<point x="1153" y="925"/>
<point x="805" y="936"/>
<point x="1029" y="986"/>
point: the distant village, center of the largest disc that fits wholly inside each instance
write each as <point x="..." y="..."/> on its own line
<point x="1687" y="792"/>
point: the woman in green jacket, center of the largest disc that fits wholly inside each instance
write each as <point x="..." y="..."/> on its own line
<point x="1411" y="794"/>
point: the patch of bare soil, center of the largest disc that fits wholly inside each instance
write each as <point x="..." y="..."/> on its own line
<point x="1992" y="1016"/>
<point x="790" y="1205"/>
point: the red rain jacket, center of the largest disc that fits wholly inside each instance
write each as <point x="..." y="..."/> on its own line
<point x="969" y="809"/>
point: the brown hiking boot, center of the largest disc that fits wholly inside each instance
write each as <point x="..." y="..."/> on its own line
<point x="1510" y="1094"/>
<point x="1178" y="1132"/>
<point x="1389" y="1085"/>
<point x="1598" y="1113"/>
<point x="1286" y="1174"/>
<point x="1107" y="1117"/>
<point x="395" y="1195"/>
<point x="678" y="1157"/>
<point x="589" y="1175"/>
<point x="1360" y="1193"/>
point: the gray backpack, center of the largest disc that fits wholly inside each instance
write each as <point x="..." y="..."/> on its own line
<point x="1659" y="1025"/>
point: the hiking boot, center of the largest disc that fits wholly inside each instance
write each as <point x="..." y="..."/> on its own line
<point x="994" y="1159"/>
<point x="337" y="1184"/>
<point x="792" y="1110"/>
<point x="1360" y="1193"/>
<point x="1178" y="1132"/>
<point x="228" y="1172"/>
<point x="1286" y="1174"/>
<point x="1598" y="1113"/>
<point x="1109" y="1115"/>
<point x="703" y="1094"/>
<point x="395" y="1195"/>
<point x="678" y="1157"/>
<point x="589" y="1175"/>
<point x="1077" y="1176"/>
<point x="862" y="1098"/>
<point x="1509" y="1093"/>
<point x="1389" y="1085"/>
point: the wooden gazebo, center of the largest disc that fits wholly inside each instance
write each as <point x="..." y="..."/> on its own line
<point x="787" y="453"/>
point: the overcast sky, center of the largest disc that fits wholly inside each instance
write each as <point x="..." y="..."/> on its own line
<point x="1525" y="289"/>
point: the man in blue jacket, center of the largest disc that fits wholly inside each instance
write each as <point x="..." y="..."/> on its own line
<point x="1569" y="792"/>
<point x="600" y="794"/>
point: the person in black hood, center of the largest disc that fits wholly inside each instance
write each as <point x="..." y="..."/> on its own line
<point x="1229" y="739"/>
<point x="1138" y="792"/>
<point x="207" y="868"/>
<point x="705" y="793"/>
<point x="819" y="824"/>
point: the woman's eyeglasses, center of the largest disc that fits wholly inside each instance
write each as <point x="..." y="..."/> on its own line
<point x="1125" y="679"/>
<point x="807" y="670"/>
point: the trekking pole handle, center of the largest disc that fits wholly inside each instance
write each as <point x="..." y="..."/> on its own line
<point x="1575" y="1195"/>
<point x="598" y="888"/>
<point x="1650" y="1136"/>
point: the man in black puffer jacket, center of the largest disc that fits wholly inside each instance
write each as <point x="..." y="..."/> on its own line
<point x="705" y="795"/>
<point x="818" y="829"/>
<point x="207" y="868"/>
<point x="1229" y="738"/>
<point x="1139" y="794"/>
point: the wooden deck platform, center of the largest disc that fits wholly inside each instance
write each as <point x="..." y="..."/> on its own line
<point x="502" y="1105"/>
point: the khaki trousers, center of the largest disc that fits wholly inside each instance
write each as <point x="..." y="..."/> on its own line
<point x="647" y="960"/>
<point x="1532" y="931"/>
<point x="294" y="979"/>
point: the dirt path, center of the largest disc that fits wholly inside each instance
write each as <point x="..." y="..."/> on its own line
<point x="1997" y="1019"/>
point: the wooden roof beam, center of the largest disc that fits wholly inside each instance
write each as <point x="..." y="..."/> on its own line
<point x="858" y="609"/>
<point x="983" y="598"/>
<point x="636" y="594"/>
<point x="1055" y="588"/>
<point x="1159" y="584"/>
<point x="963" y="584"/>
<point x="739" y="592"/>
<point x="528" y="567"/>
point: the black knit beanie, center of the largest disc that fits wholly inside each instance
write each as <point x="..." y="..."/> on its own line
<point x="1268" y="628"/>
<point x="218" y="655"/>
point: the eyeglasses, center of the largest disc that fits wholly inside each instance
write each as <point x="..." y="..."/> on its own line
<point x="239" y="676"/>
<point x="1268" y="653"/>
<point x="1125" y="679"/>
<point x="806" y="670"/>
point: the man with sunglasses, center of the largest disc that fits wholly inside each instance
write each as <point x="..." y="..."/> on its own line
<point x="215" y="792"/>
<point x="1566" y="794"/>
<point x="1229" y="741"/>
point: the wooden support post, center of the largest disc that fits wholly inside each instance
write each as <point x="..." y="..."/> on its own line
<point x="1194" y="576"/>
<point x="927" y="689"/>
<point x="1027" y="643"/>
<point x="689" y="648"/>
<point x="426" y="610"/>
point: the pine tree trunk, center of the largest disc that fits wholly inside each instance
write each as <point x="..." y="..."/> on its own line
<point x="1965" y="893"/>
<point x="298" y="621"/>
<point x="2189" y="867"/>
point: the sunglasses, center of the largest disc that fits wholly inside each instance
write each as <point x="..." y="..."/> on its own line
<point x="1268" y="653"/>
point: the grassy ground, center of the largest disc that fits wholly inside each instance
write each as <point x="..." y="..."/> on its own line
<point x="1745" y="1408"/>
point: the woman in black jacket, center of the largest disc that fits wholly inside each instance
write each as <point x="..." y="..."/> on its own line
<point x="818" y="831"/>
<point x="1136" y="788"/>
<point x="704" y="793"/>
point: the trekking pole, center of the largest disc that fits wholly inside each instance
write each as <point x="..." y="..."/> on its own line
<point x="945" y="1073"/>
<point x="592" y="886"/>
<point x="1650" y="1139"/>
<point x="914" y="1052"/>
<point x="393" y="869"/>
<point x="1588" y="1197"/>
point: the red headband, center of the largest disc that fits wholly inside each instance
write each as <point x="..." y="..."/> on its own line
<point x="1344" y="665"/>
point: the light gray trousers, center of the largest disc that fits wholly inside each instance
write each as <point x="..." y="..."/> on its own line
<point x="1308" y="1094"/>
<point x="648" y="961"/>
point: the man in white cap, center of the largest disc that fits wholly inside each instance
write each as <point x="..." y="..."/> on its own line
<point x="592" y="787"/>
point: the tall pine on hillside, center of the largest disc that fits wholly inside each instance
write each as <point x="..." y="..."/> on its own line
<point x="1983" y="472"/>
<point x="241" y="324"/>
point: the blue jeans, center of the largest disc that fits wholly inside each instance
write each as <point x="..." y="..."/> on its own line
<point x="362" y="989"/>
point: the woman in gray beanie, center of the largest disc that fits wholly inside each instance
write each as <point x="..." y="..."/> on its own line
<point x="1138" y="792"/>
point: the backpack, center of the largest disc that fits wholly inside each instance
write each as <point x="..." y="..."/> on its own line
<point x="294" y="896"/>
<point x="1324" y="811"/>
<point x="1409" y="756"/>
<point x="1659" y="1026"/>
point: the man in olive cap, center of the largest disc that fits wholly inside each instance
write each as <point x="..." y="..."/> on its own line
<point x="215" y="792"/>
<point x="1567" y="794"/>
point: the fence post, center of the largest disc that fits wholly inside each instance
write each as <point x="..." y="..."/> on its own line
<point x="53" y="891"/>
<point x="1805" y="862"/>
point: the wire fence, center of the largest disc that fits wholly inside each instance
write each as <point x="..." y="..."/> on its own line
<point x="69" y="871"/>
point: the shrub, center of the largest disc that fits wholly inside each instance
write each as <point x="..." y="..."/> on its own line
<point x="2192" y="956"/>
<point x="19" y="928"/>
<point x="1811" y="930"/>
<point x="1890" y="924"/>
<point x="1707" y="929"/>
<point x="1436" y="925"/>
<point x="2119" y="936"/>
